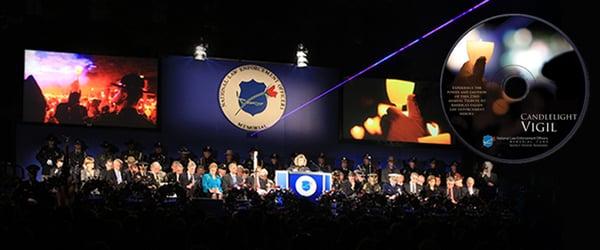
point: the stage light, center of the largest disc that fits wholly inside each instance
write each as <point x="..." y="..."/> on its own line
<point x="301" y="56"/>
<point x="200" y="53"/>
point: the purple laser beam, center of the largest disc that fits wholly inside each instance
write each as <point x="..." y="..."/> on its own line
<point x="378" y="62"/>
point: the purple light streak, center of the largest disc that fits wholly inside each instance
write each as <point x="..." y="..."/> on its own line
<point x="380" y="61"/>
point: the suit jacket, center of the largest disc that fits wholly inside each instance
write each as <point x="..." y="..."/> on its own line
<point x="172" y="178"/>
<point x="458" y="192"/>
<point x="111" y="177"/>
<point x="159" y="178"/>
<point x="227" y="182"/>
<point x="388" y="189"/>
<point x="85" y="177"/>
<point x="348" y="190"/>
<point x="187" y="178"/>
<point x="467" y="194"/>
<point x="407" y="188"/>
<point x="428" y="193"/>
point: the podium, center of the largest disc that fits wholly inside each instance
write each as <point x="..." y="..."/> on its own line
<point x="309" y="185"/>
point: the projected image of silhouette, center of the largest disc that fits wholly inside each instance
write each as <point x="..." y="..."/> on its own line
<point x="92" y="90"/>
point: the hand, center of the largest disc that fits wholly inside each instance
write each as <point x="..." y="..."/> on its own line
<point x="405" y="128"/>
<point x="49" y="162"/>
<point x="471" y="75"/>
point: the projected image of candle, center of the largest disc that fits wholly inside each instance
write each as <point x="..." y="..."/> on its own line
<point x="479" y="48"/>
<point x="398" y="91"/>
<point x="435" y="136"/>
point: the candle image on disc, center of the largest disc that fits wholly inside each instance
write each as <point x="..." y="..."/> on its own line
<point x="513" y="88"/>
<point x="478" y="49"/>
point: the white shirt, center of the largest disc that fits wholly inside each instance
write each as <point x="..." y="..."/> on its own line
<point x="119" y="178"/>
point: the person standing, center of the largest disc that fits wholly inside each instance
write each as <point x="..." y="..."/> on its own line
<point x="48" y="153"/>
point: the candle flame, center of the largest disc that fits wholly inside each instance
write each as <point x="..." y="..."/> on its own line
<point x="433" y="128"/>
<point x="373" y="125"/>
<point x="357" y="132"/>
<point x="382" y="109"/>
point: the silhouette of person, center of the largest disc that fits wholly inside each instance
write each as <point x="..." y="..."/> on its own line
<point x="132" y="85"/>
<point x="34" y="103"/>
<point x="71" y="112"/>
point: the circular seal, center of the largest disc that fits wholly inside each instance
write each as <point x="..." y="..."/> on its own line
<point x="306" y="186"/>
<point x="252" y="97"/>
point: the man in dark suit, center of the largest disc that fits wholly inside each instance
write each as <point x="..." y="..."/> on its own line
<point x="451" y="191"/>
<point x="412" y="187"/>
<point x="189" y="180"/>
<point x="487" y="181"/>
<point x="231" y="179"/>
<point x="116" y="176"/>
<point x="470" y="190"/>
<point x="351" y="186"/>
<point x="177" y="171"/>
<point x="392" y="188"/>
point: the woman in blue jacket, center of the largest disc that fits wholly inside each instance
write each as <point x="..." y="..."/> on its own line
<point x="211" y="183"/>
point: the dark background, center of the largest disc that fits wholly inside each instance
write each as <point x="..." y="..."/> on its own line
<point x="346" y="35"/>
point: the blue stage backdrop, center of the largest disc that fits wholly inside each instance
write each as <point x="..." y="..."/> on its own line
<point x="190" y="116"/>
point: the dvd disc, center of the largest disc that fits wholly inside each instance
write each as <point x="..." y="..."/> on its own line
<point x="514" y="88"/>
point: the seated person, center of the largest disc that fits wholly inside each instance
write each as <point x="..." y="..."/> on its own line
<point x="351" y="187"/>
<point x="392" y="188"/>
<point x="471" y="190"/>
<point x="116" y="176"/>
<point x="89" y="172"/>
<point x="211" y="183"/>
<point x="430" y="190"/>
<point x="451" y="191"/>
<point x="264" y="184"/>
<point x="158" y="176"/>
<point x="372" y="186"/>
<point x="176" y="172"/>
<point x="413" y="187"/>
<point x="338" y="179"/>
<point x="231" y="179"/>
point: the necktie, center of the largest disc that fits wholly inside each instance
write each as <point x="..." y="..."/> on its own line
<point x="413" y="189"/>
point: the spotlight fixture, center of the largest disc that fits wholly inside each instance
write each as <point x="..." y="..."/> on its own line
<point x="301" y="56"/>
<point x="200" y="52"/>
